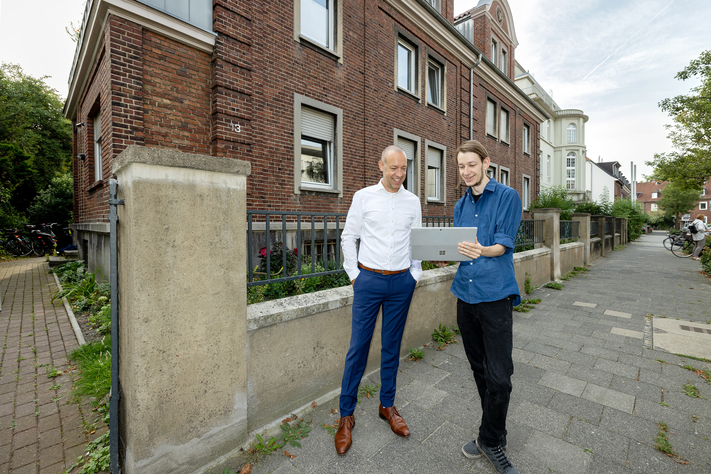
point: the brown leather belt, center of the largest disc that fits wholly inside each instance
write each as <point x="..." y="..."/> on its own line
<point x="382" y="272"/>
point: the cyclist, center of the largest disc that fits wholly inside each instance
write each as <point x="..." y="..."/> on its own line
<point x="699" y="237"/>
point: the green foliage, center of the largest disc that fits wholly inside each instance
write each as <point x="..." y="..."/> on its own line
<point x="691" y="390"/>
<point x="35" y="138"/>
<point x="94" y="362"/>
<point x="689" y="166"/>
<point x="661" y="443"/>
<point x="276" y="260"/>
<point x="416" y="354"/>
<point x="443" y="336"/>
<point x="677" y="200"/>
<point x="71" y="272"/>
<point x="54" y="203"/>
<point x="554" y="285"/>
<point x="660" y="220"/>
<point x="591" y="207"/>
<point x="96" y="458"/>
<point x="367" y="391"/>
<point x="293" y="434"/>
<point x="528" y="286"/>
<point x="555" y="197"/>
<point x="101" y="320"/>
<point x="633" y="211"/>
<point x="526" y="305"/>
<point x="706" y="257"/>
<point x="262" y="448"/>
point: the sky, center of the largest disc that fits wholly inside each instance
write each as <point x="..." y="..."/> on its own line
<point x="614" y="59"/>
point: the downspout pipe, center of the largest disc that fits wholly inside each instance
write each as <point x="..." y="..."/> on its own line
<point x="471" y="97"/>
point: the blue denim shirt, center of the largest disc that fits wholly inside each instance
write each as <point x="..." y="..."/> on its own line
<point x="496" y="216"/>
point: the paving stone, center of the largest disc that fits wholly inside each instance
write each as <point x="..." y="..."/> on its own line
<point x="590" y="375"/>
<point x="351" y="462"/>
<point x="629" y="426"/>
<point x="24" y="456"/>
<point x="465" y="413"/>
<point x="598" y="440"/>
<point x="611" y="398"/>
<point x="448" y="440"/>
<point x="555" y="454"/>
<point x="422" y="394"/>
<point x="527" y="372"/>
<point x="616" y="368"/>
<point x="549" y="363"/>
<point x="458" y="386"/>
<point x="601" y="465"/>
<point x="540" y="418"/>
<point x="578" y="358"/>
<point x="600" y="352"/>
<point x="520" y="355"/>
<point x="415" y="458"/>
<point x="422" y="423"/>
<point x="577" y="407"/>
<point x="25" y="438"/>
<point x="636" y="388"/>
<point x="563" y="383"/>
<point x="678" y="420"/>
<point x="534" y="393"/>
<point x="543" y="349"/>
<point x="645" y="458"/>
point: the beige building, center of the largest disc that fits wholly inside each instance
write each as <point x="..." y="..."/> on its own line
<point x="562" y="139"/>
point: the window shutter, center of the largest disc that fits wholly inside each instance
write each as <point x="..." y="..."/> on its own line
<point x="408" y="146"/>
<point x="317" y="124"/>
<point x="434" y="158"/>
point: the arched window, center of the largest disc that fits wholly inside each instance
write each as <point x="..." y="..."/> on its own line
<point x="570" y="167"/>
<point x="571" y="133"/>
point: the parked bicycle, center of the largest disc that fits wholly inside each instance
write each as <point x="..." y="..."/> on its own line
<point x="17" y="244"/>
<point x="43" y="239"/>
<point x="674" y="241"/>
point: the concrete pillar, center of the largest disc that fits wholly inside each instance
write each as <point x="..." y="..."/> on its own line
<point x="182" y="308"/>
<point x="601" y="233"/>
<point x="551" y="235"/>
<point x="584" y="229"/>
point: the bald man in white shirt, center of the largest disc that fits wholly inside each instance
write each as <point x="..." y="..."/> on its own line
<point x="384" y="275"/>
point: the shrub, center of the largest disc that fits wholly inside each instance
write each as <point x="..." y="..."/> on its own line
<point x="276" y="259"/>
<point x="555" y="197"/>
<point x="54" y="203"/>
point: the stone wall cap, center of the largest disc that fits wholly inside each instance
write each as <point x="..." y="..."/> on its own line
<point x="546" y="209"/>
<point x="581" y="214"/>
<point x="178" y="159"/>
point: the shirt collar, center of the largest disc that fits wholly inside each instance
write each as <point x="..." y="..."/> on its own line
<point x="382" y="188"/>
<point x="490" y="186"/>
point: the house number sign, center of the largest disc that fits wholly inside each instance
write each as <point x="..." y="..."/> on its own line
<point x="236" y="127"/>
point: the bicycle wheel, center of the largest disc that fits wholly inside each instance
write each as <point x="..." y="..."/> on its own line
<point x="667" y="243"/>
<point x="684" y="250"/>
<point x="38" y="249"/>
<point x="13" y="248"/>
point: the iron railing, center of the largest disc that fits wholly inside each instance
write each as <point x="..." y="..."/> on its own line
<point x="569" y="230"/>
<point x="530" y="232"/>
<point x="290" y="262"/>
<point x="607" y="225"/>
<point x="439" y="221"/>
<point x="593" y="228"/>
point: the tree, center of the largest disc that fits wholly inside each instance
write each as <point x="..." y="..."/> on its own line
<point x="678" y="200"/>
<point x="54" y="203"/>
<point x="555" y="197"/>
<point x="35" y="138"/>
<point x="633" y="212"/>
<point x="689" y="166"/>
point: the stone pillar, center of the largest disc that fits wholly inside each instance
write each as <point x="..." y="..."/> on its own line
<point x="182" y="308"/>
<point x="584" y="230"/>
<point x="601" y="233"/>
<point x="551" y="235"/>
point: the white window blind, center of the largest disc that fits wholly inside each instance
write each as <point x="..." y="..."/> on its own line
<point x="410" y="148"/>
<point x="317" y="124"/>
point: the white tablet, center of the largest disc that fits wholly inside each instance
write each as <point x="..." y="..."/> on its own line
<point x="440" y="243"/>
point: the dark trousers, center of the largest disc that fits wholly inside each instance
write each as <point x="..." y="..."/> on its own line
<point x="372" y="291"/>
<point x="487" y="335"/>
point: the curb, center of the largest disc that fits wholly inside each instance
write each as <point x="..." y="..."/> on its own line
<point x="70" y="313"/>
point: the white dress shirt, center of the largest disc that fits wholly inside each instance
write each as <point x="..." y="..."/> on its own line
<point x="382" y="221"/>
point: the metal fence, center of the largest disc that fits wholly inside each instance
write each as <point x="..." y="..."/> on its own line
<point x="429" y="221"/>
<point x="569" y="230"/>
<point x="593" y="228"/>
<point x="288" y="262"/>
<point x="530" y="232"/>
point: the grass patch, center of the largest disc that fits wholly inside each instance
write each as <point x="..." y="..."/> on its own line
<point x="691" y="390"/>
<point x="443" y="336"/>
<point x="700" y="359"/>
<point x="703" y="373"/>
<point x="526" y="305"/>
<point x="415" y="354"/>
<point x="554" y="285"/>
<point x="94" y="363"/>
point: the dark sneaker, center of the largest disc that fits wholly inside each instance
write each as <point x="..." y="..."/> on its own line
<point x="472" y="452"/>
<point x="497" y="457"/>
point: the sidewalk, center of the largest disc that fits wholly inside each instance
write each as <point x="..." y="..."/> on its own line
<point x="40" y="431"/>
<point x="587" y="395"/>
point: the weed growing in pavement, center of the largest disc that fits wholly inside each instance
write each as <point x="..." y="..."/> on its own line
<point x="661" y="443"/>
<point x="53" y="372"/>
<point x="664" y="404"/>
<point x="96" y="458"/>
<point x="691" y="390"/>
<point x="415" y="354"/>
<point x="620" y="247"/>
<point x="443" y="336"/>
<point x="528" y="286"/>
<point x="554" y="285"/>
<point x="293" y="434"/>
<point x="456" y="330"/>
<point x="330" y="429"/>
<point x="367" y="391"/>
<point x="94" y="363"/>
<point x="700" y="359"/>
<point x="661" y="361"/>
<point x="703" y="373"/>
<point x="526" y="305"/>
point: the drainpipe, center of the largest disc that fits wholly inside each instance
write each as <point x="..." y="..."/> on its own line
<point x="471" y="98"/>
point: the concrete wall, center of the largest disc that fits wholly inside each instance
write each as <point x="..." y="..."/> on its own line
<point x="595" y="244"/>
<point x="534" y="264"/>
<point x="92" y="241"/>
<point x="571" y="256"/>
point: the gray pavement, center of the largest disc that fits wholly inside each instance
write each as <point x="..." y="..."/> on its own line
<point x="587" y="394"/>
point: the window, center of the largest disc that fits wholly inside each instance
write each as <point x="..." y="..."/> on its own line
<point x="655" y="195"/>
<point x="196" y="12"/>
<point x="504" y="116"/>
<point x="654" y="207"/>
<point x="494" y="56"/>
<point x="410" y="144"/>
<point x="571" y="133"/>
<point x="703" y="206"/>
<point x="703" y="192"/>
<point x="526" y="192"/>
<point x="434" y="83"/>
<point x="548" y="167"/>
<point x="548" y="130"/>
<point x="318" y="156"/>
<point x="98" y="165"/>
<point x="317" y="21"/>
<point x="491" y="118"/>
<point x="406" y="66"/>
<point x="570" y="168"/>
<point x="526" y="139"/>
<point x="504" y="62"/>
<point x="435" y="177"/>
<point x="435" y="4"/>
<point x="504" y="176"/>
<point x="491" y="171"/>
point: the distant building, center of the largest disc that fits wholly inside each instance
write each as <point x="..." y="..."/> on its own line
<point x="622" y="185"/>
<point x="650" y="193"/>
<point x="562" y="140"/>
<point x="599" y="182"/>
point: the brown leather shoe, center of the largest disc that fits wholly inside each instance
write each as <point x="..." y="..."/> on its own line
<point x="397" y="424"/>
<point x="343" y="435"/>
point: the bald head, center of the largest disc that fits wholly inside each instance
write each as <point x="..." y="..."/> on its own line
<point x="389" y="151"/>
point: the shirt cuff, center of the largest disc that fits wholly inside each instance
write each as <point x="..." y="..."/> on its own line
<point x="353" y="274"/>
<point x="504" y="239"/>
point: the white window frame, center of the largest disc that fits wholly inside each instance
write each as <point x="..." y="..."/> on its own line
<point x="335" y="27"/>
<point x="507" y="172"/>
<point x="572" y="133"/>
<point x="526" y="193"/>
<point x="570" y="182"/>
<point x="412" y="66"/>
<point x="440" y="75"/>
<point x="504" y="117"/>
<point x="98" y="150"/>
<point x="493" y="171"/>
<point x="335" y="147"/>
<point x="494" y="51"/>
<point x="526" y="139"/>
<point x="703" y="191"/>
<point x="548" y="167"/>
<point x="654" y="207"/>
<point x="655" y="195"/>
<point x="440" y="176"/>
<point x="491" y="105"/>
<point x="412" y="182"/>
<point x="503" y="58"/>
<point x="703" y="206"/>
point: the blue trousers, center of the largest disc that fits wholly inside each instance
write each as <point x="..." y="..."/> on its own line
<point x="371" y="292"/>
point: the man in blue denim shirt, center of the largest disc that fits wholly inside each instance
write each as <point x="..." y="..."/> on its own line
<point x="486" y="291"/>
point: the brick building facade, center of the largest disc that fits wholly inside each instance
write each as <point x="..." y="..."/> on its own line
<point x="308" y="91"/>
<point x="650" y="193"/>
